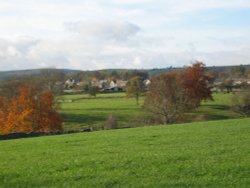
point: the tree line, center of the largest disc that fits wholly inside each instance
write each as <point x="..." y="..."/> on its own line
<point x="27" y="104"/>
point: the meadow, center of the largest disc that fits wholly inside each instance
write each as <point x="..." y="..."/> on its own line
<point x="83" y="111"/>
<point x="201" y="154"/>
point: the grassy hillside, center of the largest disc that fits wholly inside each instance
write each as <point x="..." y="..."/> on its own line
<point x="81" y="111"/>
<point x="210" y="154"/>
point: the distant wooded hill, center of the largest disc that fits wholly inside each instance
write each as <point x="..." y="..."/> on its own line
<point x="150" y="72"/>
<point x="17" y="73"/>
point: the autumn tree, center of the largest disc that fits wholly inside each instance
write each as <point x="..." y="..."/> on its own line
<point x="166" y="97"/>
<point x="135" y="88"/>
<point x="31" y="110"/>
<point x="196" y="84"/>
<point x="171" y="94"/>
<point x="3" y="106"/>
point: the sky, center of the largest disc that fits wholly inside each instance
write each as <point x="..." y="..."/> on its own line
<point x="141" y="34"/>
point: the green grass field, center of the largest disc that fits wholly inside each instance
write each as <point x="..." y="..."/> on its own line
<point x="204" y="154"/>
<point x="81" y="111"/>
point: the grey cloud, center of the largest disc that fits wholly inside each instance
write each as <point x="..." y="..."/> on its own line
<point x="104" y="29"/>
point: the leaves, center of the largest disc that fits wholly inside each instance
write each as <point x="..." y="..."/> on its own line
<point x="171" y="94"/>
<point x="196" y="84"/>
<point x="32" y="110"/>
<point x="135" y="88"/>
<point x="166" y="97"/>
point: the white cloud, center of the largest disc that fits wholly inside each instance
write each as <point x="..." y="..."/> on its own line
<point x="72" y="53"/>
<point x="118" y="34"/>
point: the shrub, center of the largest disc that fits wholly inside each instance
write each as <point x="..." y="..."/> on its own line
<point x="241" y="101"/>
<point x="110" y="123"/>
<point x="93" y="90"/>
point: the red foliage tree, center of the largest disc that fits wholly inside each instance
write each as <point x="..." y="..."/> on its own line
<point x="196" y="84"/>
<point x="170" y="95"/>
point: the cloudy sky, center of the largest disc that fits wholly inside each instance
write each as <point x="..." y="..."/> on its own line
<point x="98" y="34"/>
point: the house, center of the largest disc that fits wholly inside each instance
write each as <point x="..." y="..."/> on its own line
<point x="147" y="82"/>
<point x="103" y="84"/>
<point x="70" y="83"/>
<point x="121" y="84"/>
<point x="239" y="81"/>
<point x="113" y="84"/>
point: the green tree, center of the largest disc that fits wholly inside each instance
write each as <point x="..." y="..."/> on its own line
<point x="135" y="88"/>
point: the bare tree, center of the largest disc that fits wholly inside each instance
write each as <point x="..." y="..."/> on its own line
<point x="166" y="97"/>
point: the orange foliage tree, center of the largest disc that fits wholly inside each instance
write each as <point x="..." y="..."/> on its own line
<point x="32" y="110"/>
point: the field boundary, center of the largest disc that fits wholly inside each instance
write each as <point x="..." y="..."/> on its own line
<point x="37" y="134"/>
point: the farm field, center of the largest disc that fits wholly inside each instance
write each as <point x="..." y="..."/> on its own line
<point x="201" y="154"/>
<point x="82" y="111"/>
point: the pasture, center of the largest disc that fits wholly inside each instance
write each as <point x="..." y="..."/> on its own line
<point x="202" y="154"/>
<point x="83" y="111"/>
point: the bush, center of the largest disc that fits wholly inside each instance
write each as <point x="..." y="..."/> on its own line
<point x="93" y="90"/>
<point x="110" y="123"/>
<point x="241" y="101"/>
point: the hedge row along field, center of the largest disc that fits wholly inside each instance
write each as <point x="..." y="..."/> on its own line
<point x="205" y="154"/>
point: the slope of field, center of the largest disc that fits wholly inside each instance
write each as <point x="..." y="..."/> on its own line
<point x="82" y="111"/>
<point x="209" y="154"/>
